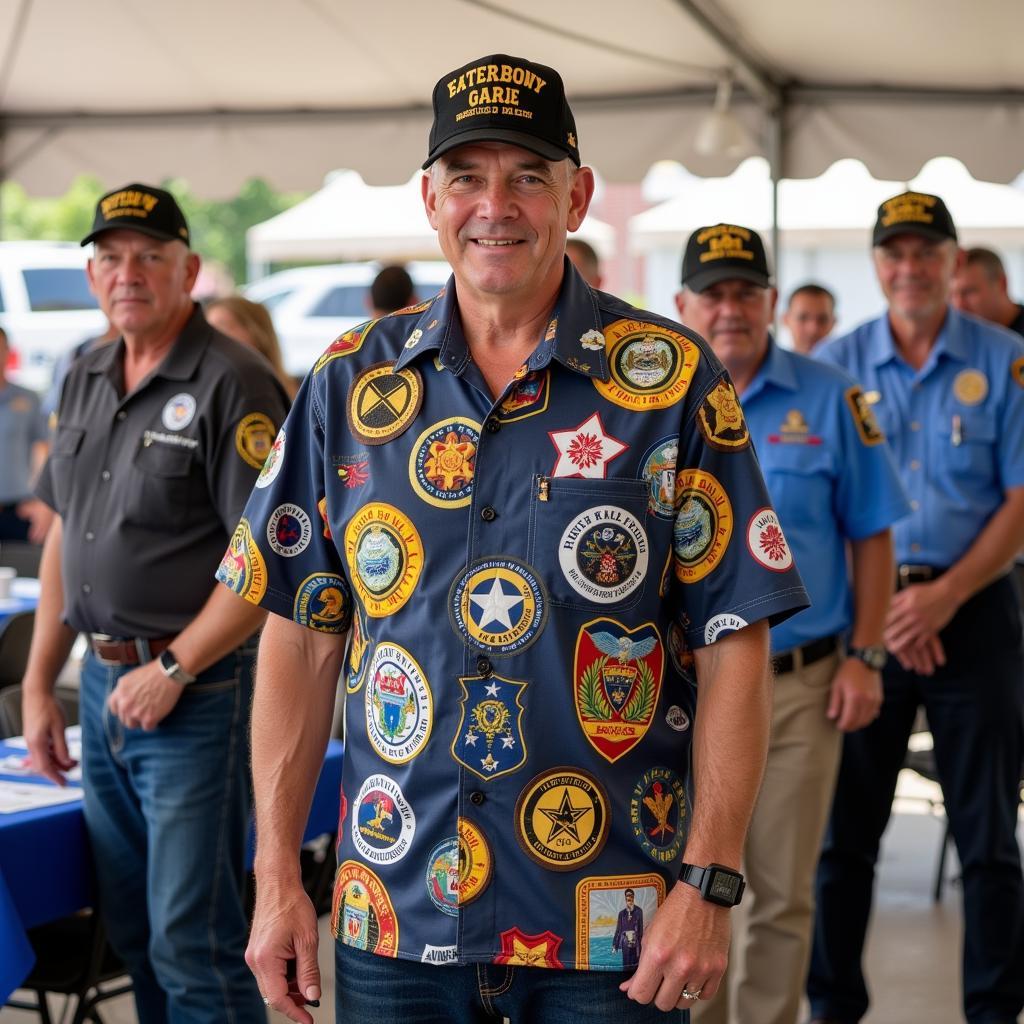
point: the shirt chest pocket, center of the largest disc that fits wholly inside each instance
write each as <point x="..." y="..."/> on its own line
<point x="800" y="483"/>
<point x="589" y="542"/>
<point x="158" y="489"/>
<point x="62" y="464"/>
<point x="966" y="443"/>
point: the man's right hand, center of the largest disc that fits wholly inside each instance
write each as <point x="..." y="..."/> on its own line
<point x="284" y="928"/>
<point x="43" y="725"/>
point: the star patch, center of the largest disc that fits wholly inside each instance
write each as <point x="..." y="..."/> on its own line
<point x="522" y="950"/>
<point x="498" y="604"/>
<point x="586" y="450"/>
<point x="489" y="740"/>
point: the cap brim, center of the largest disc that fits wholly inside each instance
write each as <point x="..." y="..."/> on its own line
<point x="513" y="138"/>
<point x="883" y="235"/>
<point x="704" y="279"/>
<point x="162" y="235"/>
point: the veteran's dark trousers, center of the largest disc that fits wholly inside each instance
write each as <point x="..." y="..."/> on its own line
<point x="975" y="708"/>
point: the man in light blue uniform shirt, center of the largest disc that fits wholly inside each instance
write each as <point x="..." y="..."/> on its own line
<point x="833" y="482"/>
<point x="948" y="390"/>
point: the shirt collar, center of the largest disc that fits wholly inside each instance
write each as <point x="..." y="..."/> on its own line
<point x="950" y="341"/>
<point x="776" y="369"/>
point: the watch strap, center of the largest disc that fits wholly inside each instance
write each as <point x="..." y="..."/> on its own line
<point x="171" y="668"/>
<point x="704" y="879"/>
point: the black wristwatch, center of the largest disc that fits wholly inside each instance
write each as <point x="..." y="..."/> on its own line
<point x="874" y="656"/>
<point x="717" y="883"/>
<point x="169" y="663"/>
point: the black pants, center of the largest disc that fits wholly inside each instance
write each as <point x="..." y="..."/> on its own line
<point x="12" y="527"/>
<point x="975" y="708"/>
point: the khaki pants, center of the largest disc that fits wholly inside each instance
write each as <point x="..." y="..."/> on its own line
<point x="772" y="927"/>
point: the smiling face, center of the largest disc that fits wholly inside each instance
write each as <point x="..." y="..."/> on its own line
<point x="810" y="318"/>
<point x="501" y="214"/>
<point x="916" y="274"/>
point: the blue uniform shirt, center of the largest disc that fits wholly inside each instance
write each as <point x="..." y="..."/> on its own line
<point x="21" y="426"/>
<point x="956" y="426"/>
<point x="828" y="479"/>
<point x="523" y="577"/>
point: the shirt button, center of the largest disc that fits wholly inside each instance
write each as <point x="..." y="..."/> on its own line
<point x="122" y="416"/>
<point x="90" y="535"/>
<point x="105" y="475"/>
<point x="914" y="464"/>
<point x="86" y="589"/>
<point x="487" y="513"/>
<point x="483" y="666"/>
<point x="915" y="425"/>
<point x="915" y="504"/>
<point x="476" y="797"/>
<point x="493" y="424"/>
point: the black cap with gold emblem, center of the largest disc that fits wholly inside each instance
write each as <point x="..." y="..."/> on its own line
<point x="723" y="252"/>
<point x="913" y="213"/>
<point x="503" y="99"/>
<point x="151" y="211"/>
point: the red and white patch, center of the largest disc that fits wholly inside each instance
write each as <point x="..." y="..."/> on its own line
<point x="585" y="450"/>
<point x="766" y="541"/>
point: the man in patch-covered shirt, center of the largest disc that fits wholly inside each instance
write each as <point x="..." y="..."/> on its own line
<point x="502" y="498"/>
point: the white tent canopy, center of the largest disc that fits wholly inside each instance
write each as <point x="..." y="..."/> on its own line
<point x="217" y="92"/>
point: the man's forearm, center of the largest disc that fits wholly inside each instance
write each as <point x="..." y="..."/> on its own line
<point x="52" y="639"/>
<point x="873" y="579"/>
<point x="223" y="623"/>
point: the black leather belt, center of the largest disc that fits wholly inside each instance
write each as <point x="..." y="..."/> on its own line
<point x="906" y="575"/>
<point x="112" y="650"/>
<point x="806" y="655"/>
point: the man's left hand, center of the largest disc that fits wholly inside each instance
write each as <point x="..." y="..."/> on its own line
<point x="856" y="696"/>
<point x="144" y="697"/>
<point x="39" y="517"/>
<point x="686" y="946"/>
<point x="916" y="612"/>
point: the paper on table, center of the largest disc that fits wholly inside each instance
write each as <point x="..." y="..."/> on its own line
<point x="73" y="738"/>
<point x="24" y="796"/>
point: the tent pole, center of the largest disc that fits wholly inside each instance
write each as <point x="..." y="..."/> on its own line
<point x="775" y="169"/>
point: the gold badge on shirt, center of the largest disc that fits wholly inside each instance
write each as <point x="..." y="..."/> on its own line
<point x="970" y="387"/>
<point x="720" y="420"/>
<point x="864" y="417"/>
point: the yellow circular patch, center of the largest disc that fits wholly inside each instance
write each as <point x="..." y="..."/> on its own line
<point x="443" y="461"/>
<point x="382" y="402"/>
<point x="242" y="568"/>
<point x="385" y="557"/>
<point x="703" y="525"/>
<point x="1017" y="371"/>
<point x="651" y="366"/>
<point x="562" y="818"/>
<point x="475" y="862"/>
<point x="970" y="387"/>
<point x="254" y="438"/>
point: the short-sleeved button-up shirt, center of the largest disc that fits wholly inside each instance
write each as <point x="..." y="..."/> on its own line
<point x="21" y="426"/>
<point x="956" y="426"/>
<point x="151" y="484"/>
<point x="830" y="477"/>
<point x="524" y="577"/>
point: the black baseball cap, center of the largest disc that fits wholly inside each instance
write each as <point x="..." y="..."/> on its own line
<point x="151" y="211"/>
<point x="913" y="213"/>
<point x="724" y="252"/>
<point x="503" y="99"/>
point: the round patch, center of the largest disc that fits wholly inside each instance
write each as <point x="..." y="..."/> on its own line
<point x="254" y="439"/>
<point x="385" y="557"/>
<point x="475" y="862"/>
<point x="657" y="812"/>
<point x="721" y="625"/>
<point x="242" y="568"/>
<point x="442" y="876"/>
<point x="382" y="821"/>
<point x="178" y="412"/>
<point x="603" y="554"/>
<point x="766" y="541"/>
<point x="679" y="650"/>
<point x="498" y="604"/>
<point x="289" y="530"/>
<point x="443" y="460"/>
<point x="676" y="718"/>
<point x="268" y="474"/>
<point x="399" y="709"/>
<point x="361" y="912"/>
<point x="703" y="526"/>
<point x="970" y="387"/>
<point x="322" y="603"/>
<point x="650" y="366"/>
<point x="360" y="644"/>
<point x="562" y="818"/>
<point x="658" y="468"/>
<point x="1017" y="371"/>
<point x="382" y="402"/>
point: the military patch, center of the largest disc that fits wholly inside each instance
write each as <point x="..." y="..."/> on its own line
<point x="272" y="466"/>
<point x="657" y="812"/>
<point x="179" y="412"/>
<point x="679" y="650"/>
<point x="498" y="604"/>
<point x="289" y="530"/>
<point x="703" y="526"/>
<point x="651" y="366"/>
<point x="970" y="387"/>
<point x="443" y="460"/>
<point x="322" y="603"/>
<point x="863" y="416"/>
<point x="414" y="339"/>
<point x="383" y="823"/>
<point x="603" y="553"/>
<point x="360" y="644"/>
<point x="592" y="339"/>
<point x="353" y="470"/>
<point x="521" y="950"/>
<point x="658" y="468"/>
<point x="561" y="818"/>
<point x="794" y="429"/>
<point x="439" y="954"/>
<point x="442" y="876"/>
<point x="383" y="402"/>
<point x="399" y="707"/>
<point x="528" y="397"/>
<point x="766" y="541"/>
<point x="585" y="450"/>
<point x="611" y="912"/>
<point x="720" y="420"/>
<point x="254" y="438"/>
<point x="617" y="675"/>
<point x="242" y="568"/>
<point x="722" y="625"/>
<point x="343" y="345"/>
<point x="361" y="912"/>
<point x="1017" y="372"/>
<point x="475" y="862"/>
<point x="489" y="739"/>
<point x="677" y="719"/>
<point x="321" y="507"/>
<point x="385" y="557"/>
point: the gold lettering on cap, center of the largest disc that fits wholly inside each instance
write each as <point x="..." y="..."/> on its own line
<point x="911" y="206"/>
<point x="487" y="73"/>
<point x="724" y="241"/>
<point x="128" y="203"/>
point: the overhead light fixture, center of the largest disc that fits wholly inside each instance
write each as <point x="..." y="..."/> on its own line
<point x="720" y="133"/>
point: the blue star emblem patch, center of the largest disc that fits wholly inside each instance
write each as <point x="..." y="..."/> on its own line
<point x="489" y="740"/>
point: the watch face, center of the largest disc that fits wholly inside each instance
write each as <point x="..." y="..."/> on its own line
<point x="724" y="886"/>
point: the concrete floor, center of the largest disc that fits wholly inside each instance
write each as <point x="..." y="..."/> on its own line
<point x="913" y="950"/>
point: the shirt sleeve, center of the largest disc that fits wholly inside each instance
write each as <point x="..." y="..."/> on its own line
<point x="1011" y="432"/>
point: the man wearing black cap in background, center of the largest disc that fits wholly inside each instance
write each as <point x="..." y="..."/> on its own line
<point x="160" y="437"/>
<point x="536" y="535"/>
<point x="948" y="391"/>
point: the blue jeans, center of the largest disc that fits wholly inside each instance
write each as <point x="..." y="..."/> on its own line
<point x="167" y="813"/>
<point x="372" y="989"/>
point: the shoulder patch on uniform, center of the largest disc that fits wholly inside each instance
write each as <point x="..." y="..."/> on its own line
<point x="343" y="345"/>
<point x="383" y="402"/>
<point x="272" y="465"/>
<point x="720" y="419"/>
<point x="254" y="439"/>
<point x="1017" y="371"/>
<point x="242" y="569"/>
<point x="362" y="914"/>
<point x="767" y="543"/>
<point x="863" y="416"/>
<point x="322" y="603"/>
<point x="703" y="526"/>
